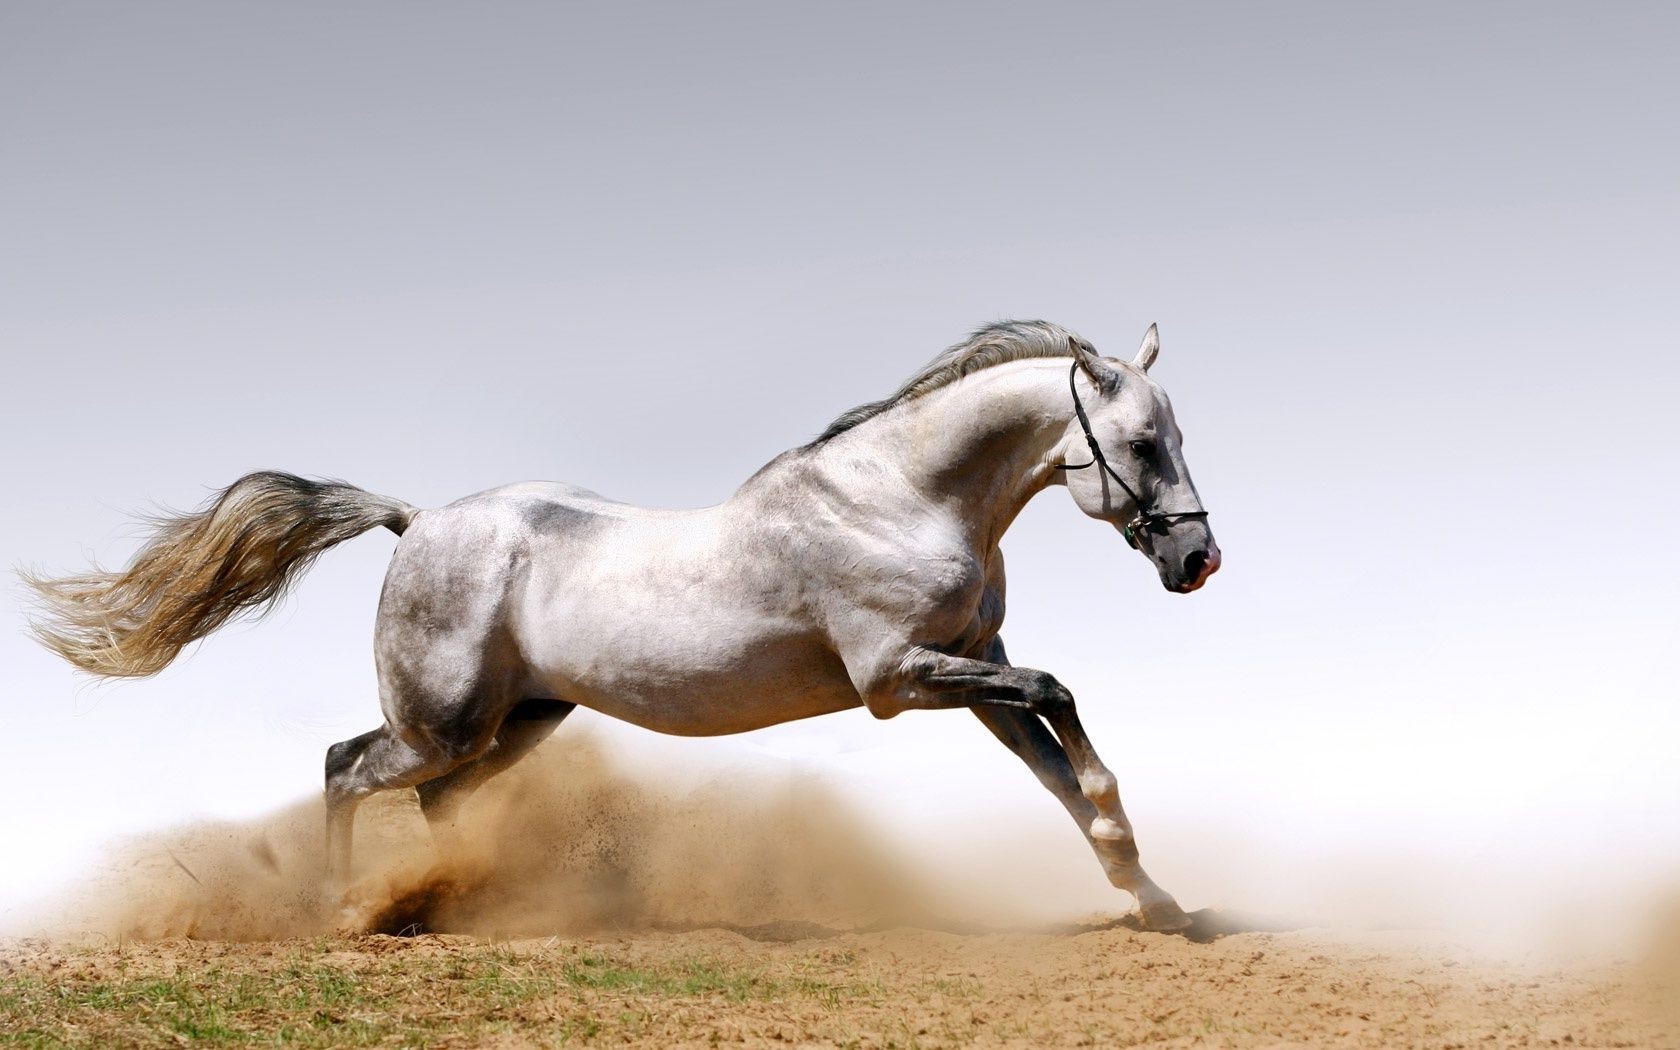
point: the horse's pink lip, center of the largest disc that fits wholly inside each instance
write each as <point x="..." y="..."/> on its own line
<point x="1209" y="567"/>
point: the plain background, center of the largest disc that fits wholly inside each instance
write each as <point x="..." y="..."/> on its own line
<point x="1415" y="272"/>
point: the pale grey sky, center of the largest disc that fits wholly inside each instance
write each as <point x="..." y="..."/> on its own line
<point x="1414" y="268"/>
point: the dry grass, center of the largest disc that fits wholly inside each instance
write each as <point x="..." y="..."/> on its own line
<point x="379" y="991"/>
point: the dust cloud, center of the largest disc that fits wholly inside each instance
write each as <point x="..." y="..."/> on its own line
<point x="575" y="840"/>
<point x="563" y="843"/>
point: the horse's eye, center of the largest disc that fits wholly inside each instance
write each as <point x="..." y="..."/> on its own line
<point x="1143" y="449"/>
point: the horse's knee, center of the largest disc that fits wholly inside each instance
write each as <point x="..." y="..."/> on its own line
<point x="1050" y="697"/>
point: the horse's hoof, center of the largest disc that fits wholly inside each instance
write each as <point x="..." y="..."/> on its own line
<point x="1164" y="916"/>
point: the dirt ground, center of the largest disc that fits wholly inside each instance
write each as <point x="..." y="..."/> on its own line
<point x="1098" y="985"/>
<point x="586" y="906"/>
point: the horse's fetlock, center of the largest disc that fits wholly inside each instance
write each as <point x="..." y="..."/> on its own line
<point x="1116" y="846"/>
<point x="1110" y="832"/>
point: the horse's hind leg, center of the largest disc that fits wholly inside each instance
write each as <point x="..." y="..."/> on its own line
<point x="449" y="668"/>
<point x="527" y="725"/>
<point x="380" y="761"/>
<point x="342" y="758"/>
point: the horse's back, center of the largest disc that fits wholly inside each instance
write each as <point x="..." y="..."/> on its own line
<point x="533" y="508"/>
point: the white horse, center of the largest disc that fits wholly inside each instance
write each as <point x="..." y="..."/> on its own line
<point x="860" y="569"/>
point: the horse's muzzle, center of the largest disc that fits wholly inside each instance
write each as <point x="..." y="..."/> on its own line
<point x="1198" y="566"/>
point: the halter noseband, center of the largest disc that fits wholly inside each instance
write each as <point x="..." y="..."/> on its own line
<point x="1145" y="520"/>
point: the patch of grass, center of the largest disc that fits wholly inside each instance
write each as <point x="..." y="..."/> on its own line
<point x="702" y="977"/>
<point x="689" y="977"/>
<point x="956" y="987"/>
<point x="205" y="1011"/>
<point x="319" y="1005"/>
<point x="322" y="996"/>
<point x="835" y="994"/>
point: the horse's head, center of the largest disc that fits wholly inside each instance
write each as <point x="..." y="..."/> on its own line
<point x="1137" y="479"/>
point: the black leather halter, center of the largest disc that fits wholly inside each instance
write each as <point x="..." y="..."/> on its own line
<point x="1145" y="520"/>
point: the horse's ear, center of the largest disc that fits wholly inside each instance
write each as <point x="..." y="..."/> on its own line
<point x="1146" y="353"/>
<point x="1102" y="375"/>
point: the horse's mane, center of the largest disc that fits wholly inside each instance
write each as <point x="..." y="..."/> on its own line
<point x="994" y="344"/>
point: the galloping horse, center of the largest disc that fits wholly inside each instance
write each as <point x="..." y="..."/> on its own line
<point x="860" y="569"/>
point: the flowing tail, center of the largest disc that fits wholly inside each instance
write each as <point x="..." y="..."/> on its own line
<point x="238" y="555"/>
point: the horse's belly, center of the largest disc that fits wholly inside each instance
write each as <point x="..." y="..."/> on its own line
<point x="699" y="714"/>
<point x="697" y="700"/>
<point x="691" y="677"/>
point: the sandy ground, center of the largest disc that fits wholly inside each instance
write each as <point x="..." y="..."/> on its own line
<point x="1100" y="985"/>
<point x="584" y="907"/>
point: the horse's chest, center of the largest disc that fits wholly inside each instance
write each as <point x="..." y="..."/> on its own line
<point x="950" y="600"/>
<point x="988" y="618"/>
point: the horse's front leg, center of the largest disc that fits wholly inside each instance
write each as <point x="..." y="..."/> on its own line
<point x="1013" y="698"/>
<point x="1071" y="770"/>
<point x="1110" y="832"/>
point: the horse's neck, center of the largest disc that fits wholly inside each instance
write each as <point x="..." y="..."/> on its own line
<point x="982" y="447"/>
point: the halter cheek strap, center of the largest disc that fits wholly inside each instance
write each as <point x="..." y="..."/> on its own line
<point x="1144" y="519"/>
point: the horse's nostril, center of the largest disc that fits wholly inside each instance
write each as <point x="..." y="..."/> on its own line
<point x="1194" y="563"/>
